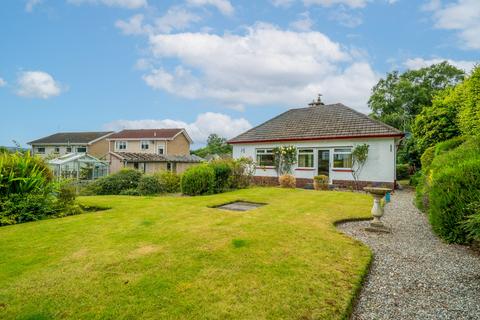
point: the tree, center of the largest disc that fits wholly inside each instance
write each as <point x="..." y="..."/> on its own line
<point x="438" y="122"/>
<point x="215" y="145"/>
<point x="398" y="98"/>
<point x="359" y="158"/>
<point x="468" y="95"/>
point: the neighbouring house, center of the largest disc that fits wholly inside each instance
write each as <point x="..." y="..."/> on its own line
<point x="59" y="144"/>
<point x="78" y="166"/>
<point x="151" y="150"/>
<point x="324" y="136"/>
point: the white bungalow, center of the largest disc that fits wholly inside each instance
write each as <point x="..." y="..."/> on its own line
<point x="324" y="136"/>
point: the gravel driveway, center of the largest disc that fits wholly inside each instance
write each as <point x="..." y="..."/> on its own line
<point x="414" y="274"/>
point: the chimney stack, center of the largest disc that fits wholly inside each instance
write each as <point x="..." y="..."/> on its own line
<point x="317" y="102"/>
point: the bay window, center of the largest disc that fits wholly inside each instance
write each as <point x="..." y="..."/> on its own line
<point x="342" y="158"/>
<point x="305" y="158"/>
<point x="265" y="158"/>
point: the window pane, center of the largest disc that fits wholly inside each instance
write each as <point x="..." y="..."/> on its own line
<point x="265" y="159"/>
<point x="342" y="160"/>
<point x="343" y="150"/>
<point x="305" y="160"/>
<point x="305" y="150"/>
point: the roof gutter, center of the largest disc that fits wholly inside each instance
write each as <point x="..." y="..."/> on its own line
<point x="399" y="135"/>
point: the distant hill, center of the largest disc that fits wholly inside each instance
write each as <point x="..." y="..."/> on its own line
<point x="13" y="149"/>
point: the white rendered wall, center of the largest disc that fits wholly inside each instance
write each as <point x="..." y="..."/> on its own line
<point x="380" y="165"/>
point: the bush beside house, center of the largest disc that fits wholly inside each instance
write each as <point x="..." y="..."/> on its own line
<point x="28" y="192"/>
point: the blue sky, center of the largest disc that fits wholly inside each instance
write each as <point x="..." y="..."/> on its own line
<point x="210" y="65"/>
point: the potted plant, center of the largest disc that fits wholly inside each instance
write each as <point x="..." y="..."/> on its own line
<point x="320" y="182"/>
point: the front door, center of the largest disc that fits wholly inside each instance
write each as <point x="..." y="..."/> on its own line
<point x="324" y="162"/>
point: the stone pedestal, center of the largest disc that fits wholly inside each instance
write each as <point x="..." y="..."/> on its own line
<point x="376" y="225"/>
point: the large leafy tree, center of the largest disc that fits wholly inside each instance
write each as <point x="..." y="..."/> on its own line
<point x="468" y="95"/>
<point x="215" y="145"/>
<point x="398" y="98"/>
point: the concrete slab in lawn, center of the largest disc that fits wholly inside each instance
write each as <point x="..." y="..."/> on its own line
<point x="240" y="206"/>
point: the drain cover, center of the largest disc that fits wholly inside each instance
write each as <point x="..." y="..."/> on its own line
<point x="240" y="206"/>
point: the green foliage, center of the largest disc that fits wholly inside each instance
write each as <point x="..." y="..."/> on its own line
<point x="114" y="183"/>
<point x="22" y="174"/>
<point x="149" y="185"/>
<point x="468" y="94"/>
<point x="243" y="170"/>
<point x="130" y="192"/>
<point x="215" y="145"/>
<point x="320" y="182"/>
<point x="403" y="171"/>
<point x="398" y="98"/>
<point x="169" y="182"/>
<point x="415" y="178"/>
<point x="285" y="158"/>
<point x="359" y="158"/>
<point x="448" y="145"/>
<point x="19" y="208"/>
<point x="223" y="172"/>
<point x="471" y="225"/>
<point x="452" y="186"/>
<point x="438" y="122"/>
<point x="427" y="157"/>
<point x="198" y="180"/>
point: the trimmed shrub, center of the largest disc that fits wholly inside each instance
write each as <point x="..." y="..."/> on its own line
<point x="287" y="181"/>
<point x="169" y="182"/>
<point x="320" y="182"/>
<point x="452" y="191"/>
<point x="114" y="183"/>
<point x="149" y="185"/>
<point x="223" y="172"/>
<point x="471" y="225"/>
<point x="198" y="180"/>
<point x="403" y="171"/>
<point x="130" y="192"/>
<point x="427" y="157"/>
<point x="18" y="208"/>
<point x="448" y="145"/>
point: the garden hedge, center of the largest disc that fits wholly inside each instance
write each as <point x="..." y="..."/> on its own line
<point x="198" y="180"/>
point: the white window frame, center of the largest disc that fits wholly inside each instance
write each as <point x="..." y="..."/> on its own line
<point x="68" y="149"/>
<point x="118" y="145"/>
<point x="38" y="150"/>
<point x="306" y="151"/>
<point x="56" y="149"/>
<point x="263" y="151"/>
<point x="335" y="152"/>
<point x="144" y="144"/>
<point x="161" y="148"/>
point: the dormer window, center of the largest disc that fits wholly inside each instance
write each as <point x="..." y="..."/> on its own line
<point x="145" y="144"/>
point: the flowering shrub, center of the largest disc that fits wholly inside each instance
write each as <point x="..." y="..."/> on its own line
<point x="285" y="159"/>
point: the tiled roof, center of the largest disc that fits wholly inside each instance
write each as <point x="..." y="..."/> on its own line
<point x="334" y="121"/>
<point x="146" y="134"/>
<point x="71" y="137"/>
<point x="152" y="157"/>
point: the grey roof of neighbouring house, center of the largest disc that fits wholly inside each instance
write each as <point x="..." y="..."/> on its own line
<point x="152" y="157"/>
<point x="71" y="137"/>
<point x="333" y="121"/>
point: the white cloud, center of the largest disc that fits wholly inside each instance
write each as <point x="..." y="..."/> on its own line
<point x="2" y="82"/>
<point x="176" y="18"/>
<point x="346" y="18"/>
<point x="304" y="23"/>
<point x="224" y="6"/>
<point x="417" y="63"/>
<point x="199" y="130"/>
<point x="265" y="65"/>
<point x="462" y="16"/>
<point x="132" y="26"/>
<point x="128" y="4"/>
<point x="31" y="4"/>
<point x="37" y="84"/>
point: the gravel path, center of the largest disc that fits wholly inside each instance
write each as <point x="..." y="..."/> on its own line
<point x="414" y="275"/>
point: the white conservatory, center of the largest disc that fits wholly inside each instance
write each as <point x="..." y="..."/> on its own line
<point x="78" y="166"/>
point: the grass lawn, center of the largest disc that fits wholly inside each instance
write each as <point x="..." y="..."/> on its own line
<point x="176" y="258"/>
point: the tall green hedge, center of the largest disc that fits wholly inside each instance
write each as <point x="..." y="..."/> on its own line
<point x="198" y="180"/>
<point x="452" y="186"/>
